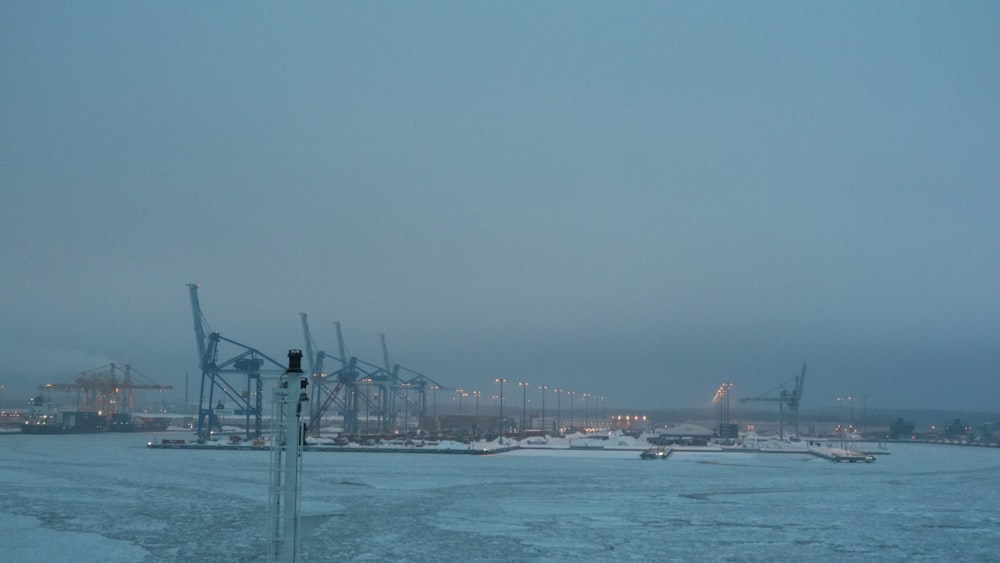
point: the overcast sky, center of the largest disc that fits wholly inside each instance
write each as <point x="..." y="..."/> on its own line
<point x="639" y="200"/>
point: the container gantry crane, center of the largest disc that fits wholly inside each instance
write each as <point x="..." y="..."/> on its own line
<point x="791" y="399"/>
<point x="401" y="389"/>
<point x="327" y="387"/>
<point x="360" y="384"/>
<point x="247" y="361"/>
<point x="108" y="389"/>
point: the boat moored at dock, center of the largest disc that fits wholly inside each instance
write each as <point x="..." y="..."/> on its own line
<point x="841" y="455"/>
<point x="655" y="453"/>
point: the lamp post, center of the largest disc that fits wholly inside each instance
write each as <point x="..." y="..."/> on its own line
<point x="586" y="411"/>
<point x="604" y="408"/>
<point x="851" y="399"/>
<point x="476" y="395"/>
<point x="543" y="389"/>
<point x="524" y="403"/>
<point x="840" y="413"/>
<point x="558" y="393"/>
<point x="406" y="409"/>
<point x="434" y="401"/>
<point x="461" y="393"/>
<point x="500" y="380"/>
<point x="368" y="392"/>
<point x="571" y="393"/>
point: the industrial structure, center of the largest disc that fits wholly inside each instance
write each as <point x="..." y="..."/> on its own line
<point x="109" y="392"/>
<point x="791" y="399"/>
<point x="358" y="388"/>
<point x="219" y="395"/>
<point x="232" y="384"/>
<point x="286" y="462"/>
<point x="727" y="430"/>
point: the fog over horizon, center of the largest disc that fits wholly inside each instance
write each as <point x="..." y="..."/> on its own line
<point x="637" y="201"/>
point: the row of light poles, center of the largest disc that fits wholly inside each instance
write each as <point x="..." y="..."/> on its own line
<point x="462" y="394"/>
<point x="850" y="399"/>
<point x="524" y="385"/>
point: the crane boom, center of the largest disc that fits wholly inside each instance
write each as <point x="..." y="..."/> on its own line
<point x="199" y="324"/>
<point x="309" y="343"/>
<point x="792" y="399"/>
<point x="340" y="345"/>
<point x="385" y="354"/>
<point x="799" y="384"/>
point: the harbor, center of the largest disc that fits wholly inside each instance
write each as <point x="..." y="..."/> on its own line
<point x="527" y="504"/>
<point x="611" y="442"/>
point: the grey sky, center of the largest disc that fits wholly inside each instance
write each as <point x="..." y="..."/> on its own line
<point x="639" y="200"/>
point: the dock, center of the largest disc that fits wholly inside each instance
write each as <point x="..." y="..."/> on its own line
<point x="467" y="449"/>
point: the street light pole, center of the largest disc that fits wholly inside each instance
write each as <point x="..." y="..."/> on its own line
<point x="840" y="413"/>
<point x="500" y="380"/>
<point x="604" y="409"/>
<point x="524" y="404"/>
<point x="558" y="393"/>
<point x="406" y="409"/>
<point x="543" y="388"/>
<point x="851" y="399"/>
<point x="571" y="393"/>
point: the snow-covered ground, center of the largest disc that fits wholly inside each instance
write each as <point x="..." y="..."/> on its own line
<point x="109" y="498"/>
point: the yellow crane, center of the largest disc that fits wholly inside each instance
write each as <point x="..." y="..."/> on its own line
<point x="107" y="389"/>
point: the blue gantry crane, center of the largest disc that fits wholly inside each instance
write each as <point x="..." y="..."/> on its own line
<point x="234" y="386"/>
<point x="791" y="399"/>
<point x="221" y="392"/>
<point x="357" y="384"/>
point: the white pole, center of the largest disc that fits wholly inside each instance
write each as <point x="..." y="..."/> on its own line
<point x="278" y="436"/>
<point x="290" y="398"/>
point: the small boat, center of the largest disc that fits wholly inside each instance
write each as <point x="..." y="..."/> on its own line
<point x="654" y="453"/>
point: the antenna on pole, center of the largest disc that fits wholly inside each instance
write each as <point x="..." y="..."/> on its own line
<point x="290" y="398"/>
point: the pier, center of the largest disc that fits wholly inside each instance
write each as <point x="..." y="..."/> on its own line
<point x="448" y="448"/>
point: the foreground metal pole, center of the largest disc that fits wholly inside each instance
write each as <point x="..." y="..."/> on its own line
<point x="290" y="399"/>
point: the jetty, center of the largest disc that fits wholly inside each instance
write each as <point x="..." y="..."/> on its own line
<point x="444" y="447"/>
